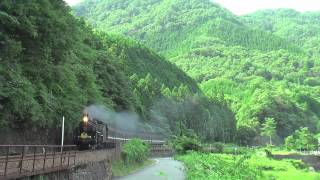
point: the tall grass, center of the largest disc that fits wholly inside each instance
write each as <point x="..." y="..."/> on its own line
<point x="243" y="167"/>
<point x="134" y="156"/>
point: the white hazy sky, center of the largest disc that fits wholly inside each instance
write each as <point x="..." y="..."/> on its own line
<point x="240" y="7"/>
<point x="72" y="2"/>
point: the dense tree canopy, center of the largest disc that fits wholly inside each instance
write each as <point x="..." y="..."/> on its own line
<point x="171" y="27"/>
<point x="300" y="28"/>
<point x="261" y="65"/>
<point x="48" y="61"/>
<point x="52" y="64"/>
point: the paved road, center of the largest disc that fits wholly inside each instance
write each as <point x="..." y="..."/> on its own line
<point x="164" y="169"/>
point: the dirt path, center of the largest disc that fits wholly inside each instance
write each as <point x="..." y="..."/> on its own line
<point x="164" y="169"/>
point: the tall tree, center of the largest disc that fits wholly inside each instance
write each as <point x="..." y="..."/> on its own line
<point x="269" y="128"/>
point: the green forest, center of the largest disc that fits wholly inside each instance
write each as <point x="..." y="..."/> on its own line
<point x="231" y="95"/>
<point x="258" y="66"/>
<point x="54" y="64"/>
<point x="183" y="66"/>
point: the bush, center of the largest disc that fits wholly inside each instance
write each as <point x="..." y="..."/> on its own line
<point x="302" y="139"/>
<point x="217" y="147"/>
<point x="182" y="144"/>
<point x="135" y="151"/>
<point x="245" y="135"/>
<point x="218" y="166"/>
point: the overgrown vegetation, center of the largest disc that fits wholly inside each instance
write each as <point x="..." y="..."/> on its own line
<point x="183" y="143"/>
<point x="302" y="139"/>
<point x="134" y="156"/>
<point x="135" y="151"/>
<point x="246" y="167"/>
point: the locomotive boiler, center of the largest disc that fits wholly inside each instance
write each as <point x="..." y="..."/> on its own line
<point x="91" y="133"/>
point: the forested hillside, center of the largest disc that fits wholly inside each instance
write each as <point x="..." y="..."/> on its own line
<point x="171" y="27"/>
<point x="54" y="65"/>
<point x="135" y="58"/>
<point x="258" y="72"/>
<point x="300" y="28"/>
<point x="48" y="65"/>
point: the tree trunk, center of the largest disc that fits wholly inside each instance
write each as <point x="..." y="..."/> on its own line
<point x="270" y="140"/>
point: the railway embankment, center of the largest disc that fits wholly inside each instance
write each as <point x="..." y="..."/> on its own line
<point x="48" y="162"/>
<point x="88" y="165"/>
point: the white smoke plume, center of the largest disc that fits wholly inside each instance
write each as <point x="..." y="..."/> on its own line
<point x="118" y="120"/>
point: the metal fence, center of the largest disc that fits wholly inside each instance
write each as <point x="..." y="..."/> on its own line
<point x="28" y="160"/>
<point x="161" y="150"/>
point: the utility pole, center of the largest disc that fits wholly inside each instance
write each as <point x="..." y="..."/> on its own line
<point x="62" y="134"/>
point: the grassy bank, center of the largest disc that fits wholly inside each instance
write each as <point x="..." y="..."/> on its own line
<point x="134" y="156"/>
<point x="246" y="167"/>
<point x="120" y="168"/>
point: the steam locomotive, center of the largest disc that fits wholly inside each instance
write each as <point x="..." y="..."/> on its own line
<point x="91" y="133"/>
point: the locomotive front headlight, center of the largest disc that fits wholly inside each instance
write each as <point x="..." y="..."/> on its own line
<point x="85" y="119"/>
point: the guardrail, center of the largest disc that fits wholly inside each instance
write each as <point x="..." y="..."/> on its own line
<point x="28" y="160"/>
<point x="161" y="150"/>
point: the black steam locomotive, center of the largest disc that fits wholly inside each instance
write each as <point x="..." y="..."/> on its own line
<point x="91" y="133"/>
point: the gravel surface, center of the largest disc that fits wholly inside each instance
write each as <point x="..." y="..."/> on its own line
<point x="164" y="169"/>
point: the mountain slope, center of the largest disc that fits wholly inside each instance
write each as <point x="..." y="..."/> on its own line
<point x="134" y="58"/>
<point x="257" y="73"/>
<point x="75" y="67"/>
<point x="170" y="27"/>
<point x="54" y="65"/>
<point x="300" y="28"/>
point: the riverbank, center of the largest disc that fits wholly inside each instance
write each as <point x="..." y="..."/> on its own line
<point x="120" y="169"/>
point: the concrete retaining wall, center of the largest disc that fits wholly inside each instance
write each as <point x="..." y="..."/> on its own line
<point x="91" y="171"/>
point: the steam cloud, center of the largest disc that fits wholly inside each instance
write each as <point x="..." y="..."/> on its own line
<point x="118" y="120"/>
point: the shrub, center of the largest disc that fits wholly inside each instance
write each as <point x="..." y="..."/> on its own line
<point x="302" y="139"/>
<point x="217" y="147"/>
<point x="268" y="153"/>
<point x="182" y="144"/>
<point x="218" y="166"/>
<point x="135" y="151"/>
<point x="290" y="142"/>
<point x="245" y="135"/>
